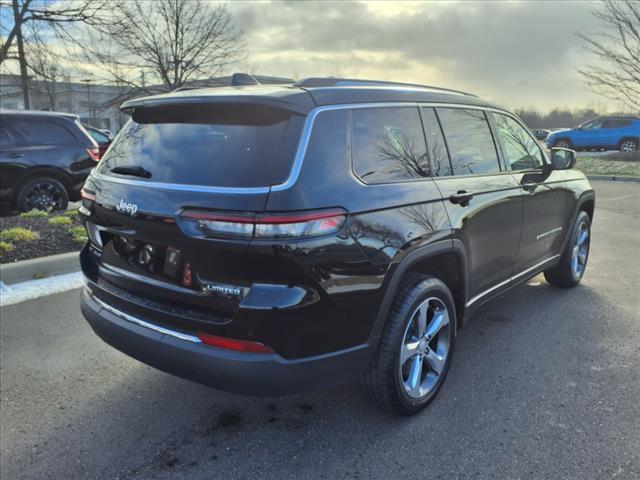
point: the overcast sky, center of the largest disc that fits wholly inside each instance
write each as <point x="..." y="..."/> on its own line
<point x="518" y="54"/>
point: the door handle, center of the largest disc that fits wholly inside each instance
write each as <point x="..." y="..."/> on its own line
<point x="15" y="155"/>
<point x="461" y="197"/>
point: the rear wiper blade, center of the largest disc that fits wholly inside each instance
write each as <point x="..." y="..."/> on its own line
<point x="133" y="170"/>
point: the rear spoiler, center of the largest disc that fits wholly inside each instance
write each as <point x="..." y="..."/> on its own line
<point x="242" y="88"/>
<point x="303" y="106"/>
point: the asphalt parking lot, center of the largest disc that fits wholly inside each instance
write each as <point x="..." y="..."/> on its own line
<point x="545" y="384"/>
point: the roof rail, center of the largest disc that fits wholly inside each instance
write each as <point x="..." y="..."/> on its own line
<point x="182" y="89"/>
<point x="354" y="82"/>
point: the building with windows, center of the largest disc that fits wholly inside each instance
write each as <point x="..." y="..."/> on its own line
<point x="96" y="104"/>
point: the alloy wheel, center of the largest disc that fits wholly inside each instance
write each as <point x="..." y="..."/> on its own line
<point x="44" y="196"/>
<point x="628" y="146"/>
<point x="425" y="348"/>
<point x="580" y="250"/>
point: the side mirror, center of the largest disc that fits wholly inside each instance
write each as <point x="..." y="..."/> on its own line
<point x="562" y="158"/>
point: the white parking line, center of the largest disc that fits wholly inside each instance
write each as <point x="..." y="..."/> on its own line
<point x="19" y="292"/>
<point x="621" y="197"/>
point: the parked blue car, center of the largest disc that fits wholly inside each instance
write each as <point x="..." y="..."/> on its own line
<point x="604" y="133"/>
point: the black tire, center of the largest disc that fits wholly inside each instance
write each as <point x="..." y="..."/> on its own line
<point x="564" y="273"/>
<point x="384" y="382"/>
<point x="628" y="145"/>
<point x="562" y="143"/>
<point x="42" y="193"/>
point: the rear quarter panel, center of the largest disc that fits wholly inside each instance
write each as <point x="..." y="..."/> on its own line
<point x="385" y="223"/>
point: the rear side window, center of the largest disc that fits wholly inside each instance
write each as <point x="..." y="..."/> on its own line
<point x="97" y="136"/>
<point x="218" y="145"/>
<point x="40" y="132"/>
<point x="470" y="142"/>
<point x="388" y="144"/>
<point x="521" y="151"/>
<point x="617" y="123"/>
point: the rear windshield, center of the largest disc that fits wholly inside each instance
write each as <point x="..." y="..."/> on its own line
<point x="221" y="145"/>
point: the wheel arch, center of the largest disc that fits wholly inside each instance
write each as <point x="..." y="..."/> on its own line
<point x="587" y="203"/>
<point x="436" y="259"/>
<point x="563" y="137"/>
<point x="633" y="138"/>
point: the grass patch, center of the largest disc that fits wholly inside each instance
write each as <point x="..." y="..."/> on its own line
<point x="18" y="234"/>
<point x="35" y="214"/>
<point x="623" y="156"/>
<point x="71" y="213"/>
<point x="5" y="246"/>
<point x="79" y="234"/>
<point x="605" y="166"/>
<point x="60" y="220"/>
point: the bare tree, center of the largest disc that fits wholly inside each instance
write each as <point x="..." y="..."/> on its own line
<point x="618" y="49"/>
<point x="169" y="42"/>
<point x="44" y="66"/>
<point x="400" y="155"/>
<point x="30" y="12"/>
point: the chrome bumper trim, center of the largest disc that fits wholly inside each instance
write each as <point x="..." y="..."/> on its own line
<point x="150" y="326"/>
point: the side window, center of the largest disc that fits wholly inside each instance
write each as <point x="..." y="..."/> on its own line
<point x="437" y="149"/>
<point x="7" y="139"/>
<point x="592" y="125"/>
<point x="388" y="144"/>
<point x="42" y="132"/>
<point x="520" y="149"/>
<point x="469" y="140"/>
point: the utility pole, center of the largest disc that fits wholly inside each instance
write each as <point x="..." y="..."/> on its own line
<point x="88" y="81"/>
<point x="24" y="76"/>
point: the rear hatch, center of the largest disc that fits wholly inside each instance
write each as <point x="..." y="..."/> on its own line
<point x="168" y="165"/>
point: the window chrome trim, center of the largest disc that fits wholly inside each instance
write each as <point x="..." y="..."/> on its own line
<point x="142" y="323"/>
<point x="510" y="280"/>
<point x="298" y="159"/>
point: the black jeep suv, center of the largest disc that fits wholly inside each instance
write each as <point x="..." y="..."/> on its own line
<point x="274" y="239"/>
<point x="45" y="158"/>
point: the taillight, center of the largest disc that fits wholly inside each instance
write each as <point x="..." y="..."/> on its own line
<point x="269" y="225"/>
<point x="234" y="344"/>
<point x="87" y="202"/>
<point x="94" y="153"/>
<point x="224" y="224"/>
<point x="87" y="195"/>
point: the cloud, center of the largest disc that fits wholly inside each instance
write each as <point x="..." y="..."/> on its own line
<point x="515" y="53"/>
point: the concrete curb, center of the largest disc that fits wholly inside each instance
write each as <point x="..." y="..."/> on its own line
<point x="37" y="268"/>
<point x="613" y="178"/>
<point x="22" y="291"/>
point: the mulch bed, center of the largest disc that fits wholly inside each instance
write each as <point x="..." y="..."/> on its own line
<point x="53" y="239"/>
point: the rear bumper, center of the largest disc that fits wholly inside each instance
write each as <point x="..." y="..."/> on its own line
<point x="258" y="374"/>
